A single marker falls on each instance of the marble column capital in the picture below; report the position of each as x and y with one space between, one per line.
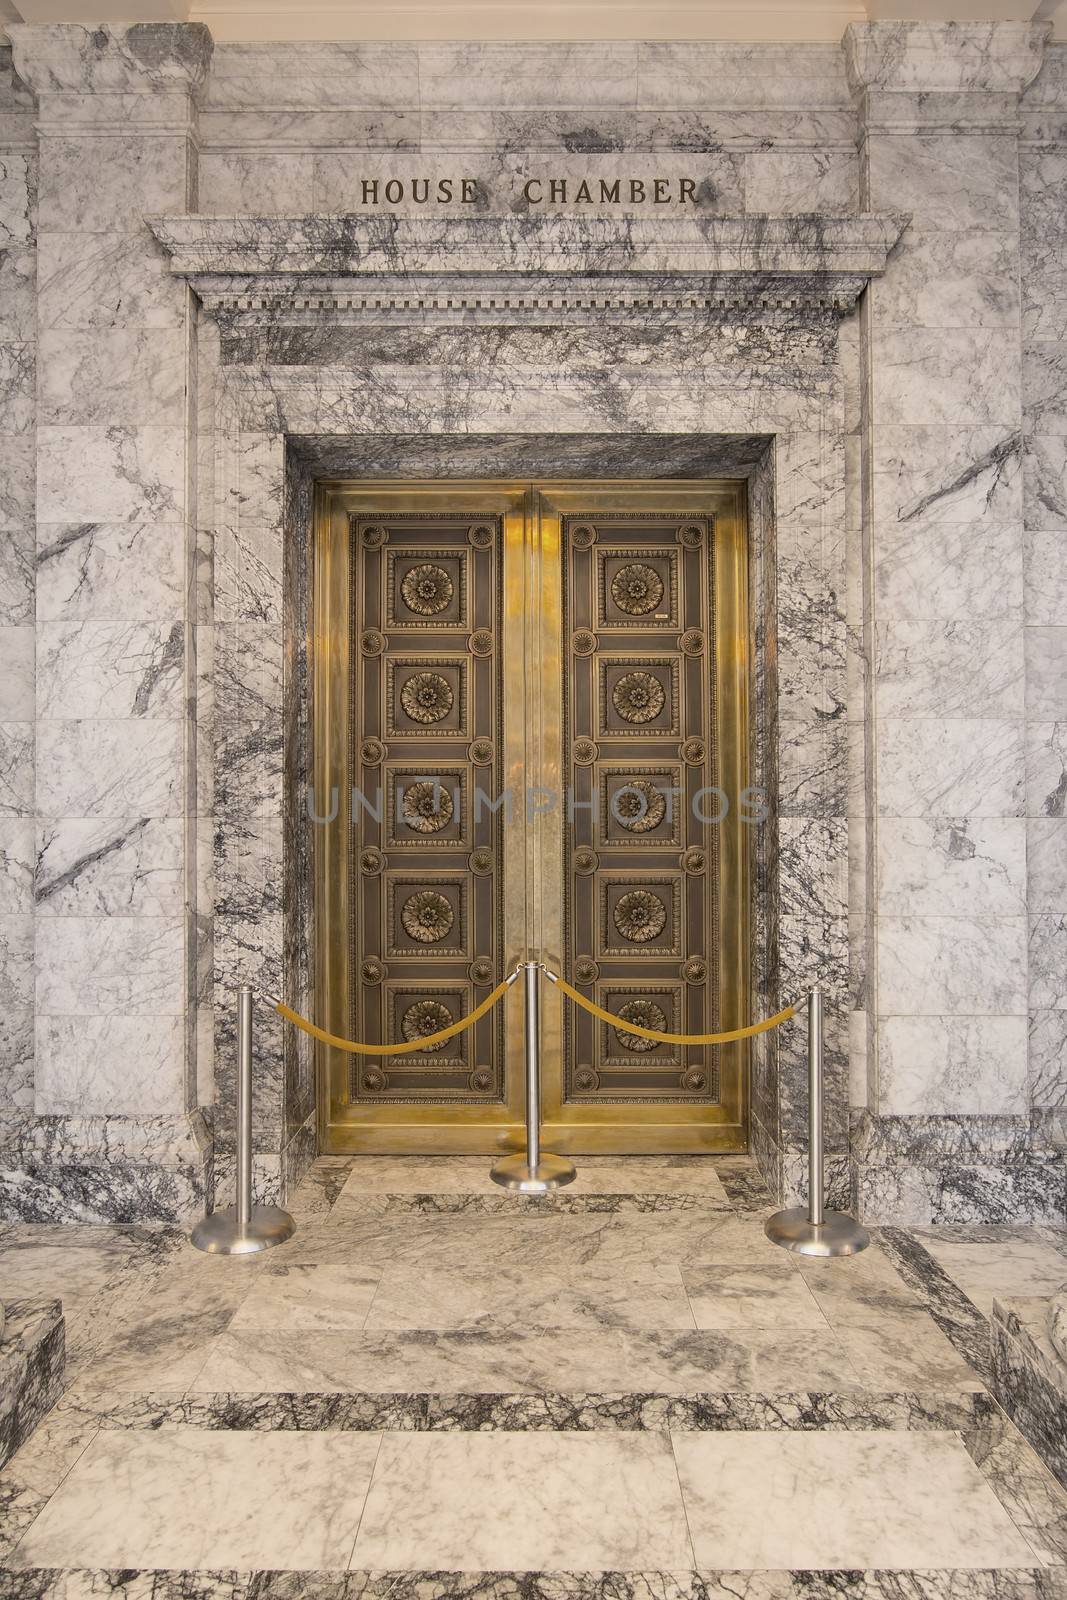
943 58
142 58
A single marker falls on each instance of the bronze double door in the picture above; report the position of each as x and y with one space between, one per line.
531 720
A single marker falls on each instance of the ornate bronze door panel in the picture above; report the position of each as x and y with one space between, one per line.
535 699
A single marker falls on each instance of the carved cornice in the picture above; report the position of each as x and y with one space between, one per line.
512 268
113 58
944 57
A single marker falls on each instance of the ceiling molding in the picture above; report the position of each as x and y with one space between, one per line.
755 21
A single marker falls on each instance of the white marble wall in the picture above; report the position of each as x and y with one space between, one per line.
946 614
111 815
18 343
1043 218
921 519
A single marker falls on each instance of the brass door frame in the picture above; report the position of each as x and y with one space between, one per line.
533 521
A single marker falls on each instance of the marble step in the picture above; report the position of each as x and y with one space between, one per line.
1023 1583
706 1411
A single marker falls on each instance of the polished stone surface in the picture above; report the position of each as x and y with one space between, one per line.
579 1500
32 1358
842 1500
149 611
1030 1375
189 1499
620 1417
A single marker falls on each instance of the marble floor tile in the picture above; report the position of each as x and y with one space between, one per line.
163 1341
519 1502
419 1175
649 1175
744 1185
596 1175
904 1349
681 1238
753 1360
1023 1484
856 1288
188 1499
586 1297
845 1500
71 1271
445 1243
309 1297
320 1187
994 1268
530 1242
259 1361
764 1296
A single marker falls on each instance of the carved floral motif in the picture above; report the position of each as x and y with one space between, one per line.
427 916
427 807
427 697
645 1014
637 589
640 916
425 1016
427 589
639 806
638 697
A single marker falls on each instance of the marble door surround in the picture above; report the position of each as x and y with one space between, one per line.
197 374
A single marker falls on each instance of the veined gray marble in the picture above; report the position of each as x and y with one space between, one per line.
947 1584
547 1412
812 252
1030 1377
31 1369
153 647
962 1324
562 1203
73 60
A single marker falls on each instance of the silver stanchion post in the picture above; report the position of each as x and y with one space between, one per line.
243 1229
811 1230
536 1172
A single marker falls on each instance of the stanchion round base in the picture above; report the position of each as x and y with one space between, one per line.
515 1173
837 1235
219 1234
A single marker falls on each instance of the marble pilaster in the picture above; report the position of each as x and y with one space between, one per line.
944 635
18 350
1043 242
114 835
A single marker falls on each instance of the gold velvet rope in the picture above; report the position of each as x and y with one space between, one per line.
392 1049
490 1001
668 1038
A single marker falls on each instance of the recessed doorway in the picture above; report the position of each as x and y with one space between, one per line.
530 712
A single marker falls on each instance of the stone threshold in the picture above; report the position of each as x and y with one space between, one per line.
445 1203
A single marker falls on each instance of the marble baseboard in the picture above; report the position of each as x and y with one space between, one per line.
105 1169
1029 1379
950 1191
32 1358
934 1171
134 1192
